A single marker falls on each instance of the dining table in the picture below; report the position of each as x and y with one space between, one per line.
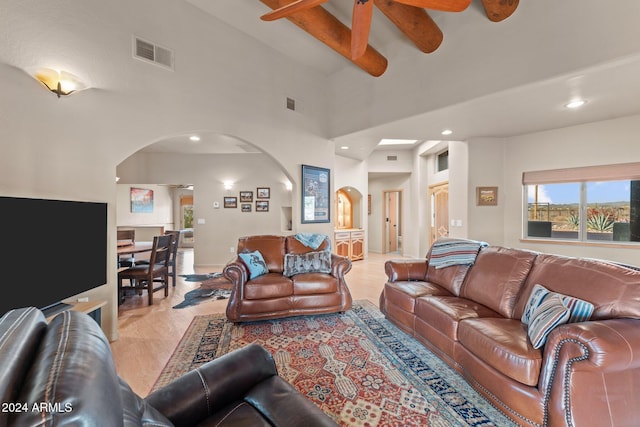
128 248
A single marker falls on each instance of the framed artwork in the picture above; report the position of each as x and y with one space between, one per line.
315 194
245 207
141 200
230 202
487 196
262 206
263 192
246 196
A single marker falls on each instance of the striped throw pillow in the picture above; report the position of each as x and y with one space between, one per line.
580 310
550 313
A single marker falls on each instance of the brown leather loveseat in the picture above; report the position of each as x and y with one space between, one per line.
587 373
295 280
62 374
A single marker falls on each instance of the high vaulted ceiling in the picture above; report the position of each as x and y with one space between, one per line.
607 75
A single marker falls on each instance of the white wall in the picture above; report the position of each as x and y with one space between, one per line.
69 148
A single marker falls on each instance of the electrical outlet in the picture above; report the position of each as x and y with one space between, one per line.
232 249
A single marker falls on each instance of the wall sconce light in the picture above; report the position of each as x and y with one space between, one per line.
288 185
228 185
59 82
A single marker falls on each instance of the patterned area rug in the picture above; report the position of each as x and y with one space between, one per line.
357 367
214 286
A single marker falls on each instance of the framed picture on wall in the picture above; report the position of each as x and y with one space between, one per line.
315 194
487 196
230 202
246 196
141 200
263 192
245 207
262 206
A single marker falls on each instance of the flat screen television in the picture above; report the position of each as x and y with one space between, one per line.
52 250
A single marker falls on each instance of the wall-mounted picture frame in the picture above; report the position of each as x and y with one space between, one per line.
315 194
246 196
245 207
263 192
230 202
141 200
487 196
262 206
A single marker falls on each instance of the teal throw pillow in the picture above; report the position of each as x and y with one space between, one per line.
550 313
255 263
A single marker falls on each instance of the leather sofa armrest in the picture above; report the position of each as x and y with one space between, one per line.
196 395
399 270
340 265
600 356
237 272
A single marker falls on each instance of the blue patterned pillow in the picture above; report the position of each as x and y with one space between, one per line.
580 310
550 313
255 263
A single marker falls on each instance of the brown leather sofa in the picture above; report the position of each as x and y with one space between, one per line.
62 374
587 373
274 295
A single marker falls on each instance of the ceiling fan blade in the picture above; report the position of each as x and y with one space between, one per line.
360 27
443 5
498 10
294 7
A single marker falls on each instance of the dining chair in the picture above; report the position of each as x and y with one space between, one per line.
147 276
127 237
175 235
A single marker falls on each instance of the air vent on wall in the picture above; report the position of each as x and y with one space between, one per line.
149 52
392 157
291 104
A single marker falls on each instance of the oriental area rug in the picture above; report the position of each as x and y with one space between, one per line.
356 366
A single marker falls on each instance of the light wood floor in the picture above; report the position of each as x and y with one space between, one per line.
148 335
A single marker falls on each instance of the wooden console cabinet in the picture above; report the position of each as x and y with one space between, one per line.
350 244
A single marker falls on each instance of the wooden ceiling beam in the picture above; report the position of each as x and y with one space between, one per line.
329 30
499 10
415 23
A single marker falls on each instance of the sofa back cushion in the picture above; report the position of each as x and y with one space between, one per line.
20 333
450 278
497 277
271 247
296 247
614 290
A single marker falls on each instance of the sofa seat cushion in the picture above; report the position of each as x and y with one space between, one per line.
445 312
270 285
504 345
238 413
405 294
314 283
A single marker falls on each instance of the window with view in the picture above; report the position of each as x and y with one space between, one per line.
578 208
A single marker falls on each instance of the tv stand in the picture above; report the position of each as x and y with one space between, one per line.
52 310
92 308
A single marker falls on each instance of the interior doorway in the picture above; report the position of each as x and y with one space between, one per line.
392 221
439 211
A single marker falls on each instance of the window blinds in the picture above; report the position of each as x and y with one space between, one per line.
622 171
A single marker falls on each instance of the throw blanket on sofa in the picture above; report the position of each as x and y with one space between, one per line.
448 252
313 240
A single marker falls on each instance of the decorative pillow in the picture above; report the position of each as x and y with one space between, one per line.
550 313
255 263
310 262
580 310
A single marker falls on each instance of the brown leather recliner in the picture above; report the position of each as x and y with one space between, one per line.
274 295
62 374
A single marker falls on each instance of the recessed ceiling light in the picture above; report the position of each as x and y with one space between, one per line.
446 132
344 147
194 138
397 141
576 103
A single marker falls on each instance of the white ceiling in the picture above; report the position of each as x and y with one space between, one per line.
612 89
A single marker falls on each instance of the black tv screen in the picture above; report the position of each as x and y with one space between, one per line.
52 250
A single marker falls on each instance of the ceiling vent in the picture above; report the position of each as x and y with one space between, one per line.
291 104
149 52
392 158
